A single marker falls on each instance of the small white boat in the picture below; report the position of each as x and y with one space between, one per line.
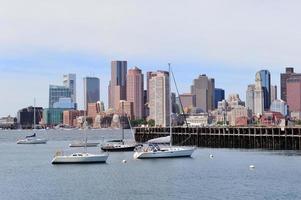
32 141
83 144
154 151
79 158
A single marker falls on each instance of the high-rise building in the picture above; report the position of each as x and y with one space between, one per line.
219 95
258 95
279 106
273 92
56 92
159 98
293 86
91 91
203 89
135 91
69 81
25 117
250 97
188 101
283 77
266 87
117 84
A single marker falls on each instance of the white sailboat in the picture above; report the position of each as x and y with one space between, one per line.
32 139
79 157
155 151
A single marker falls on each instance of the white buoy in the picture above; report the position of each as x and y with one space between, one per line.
211 156
124 161
252 166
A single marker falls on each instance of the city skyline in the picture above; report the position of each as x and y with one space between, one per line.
39 48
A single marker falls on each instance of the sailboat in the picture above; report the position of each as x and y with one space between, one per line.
119 145
153 150
32 139
80 157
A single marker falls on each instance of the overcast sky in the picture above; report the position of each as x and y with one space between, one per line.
227 40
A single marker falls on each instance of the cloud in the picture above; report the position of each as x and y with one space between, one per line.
228 40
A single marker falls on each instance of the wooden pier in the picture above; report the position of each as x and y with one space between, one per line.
228 137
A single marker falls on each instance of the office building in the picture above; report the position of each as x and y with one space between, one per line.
250 97
117 84
289 71
258 95
273 93
135 91
91 90
219 95
25 117
293 86
159 98
188 101
203 89
279 106
69 81
56 92
266 87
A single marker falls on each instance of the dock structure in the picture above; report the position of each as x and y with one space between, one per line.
274 138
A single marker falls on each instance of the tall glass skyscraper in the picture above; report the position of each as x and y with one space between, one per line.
56 92
91 90
266 87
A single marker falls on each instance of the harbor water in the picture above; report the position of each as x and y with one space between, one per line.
26 172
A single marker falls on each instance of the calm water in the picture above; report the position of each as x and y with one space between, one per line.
26 173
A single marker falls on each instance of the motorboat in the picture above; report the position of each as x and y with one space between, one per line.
79 158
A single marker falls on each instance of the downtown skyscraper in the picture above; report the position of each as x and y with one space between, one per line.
117 84
159 98
69 81
204 90
135 91
91 90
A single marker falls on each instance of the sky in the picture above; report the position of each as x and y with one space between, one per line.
229 40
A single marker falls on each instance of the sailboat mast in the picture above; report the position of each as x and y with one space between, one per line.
34 113
122 122
170 106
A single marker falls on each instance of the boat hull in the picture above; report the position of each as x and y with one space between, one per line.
79 160
165 153
32 141
82 144
118 148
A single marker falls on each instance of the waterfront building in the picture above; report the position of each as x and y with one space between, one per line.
135 91
53 116
258 95
159 98
293 85
265 77
289 71
271 118
69 117
279 106
69 81
250 97
25 117
8 122
56 92
188 101
197 120
91 90
273 93
236 114
203 89
219 95
117 84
